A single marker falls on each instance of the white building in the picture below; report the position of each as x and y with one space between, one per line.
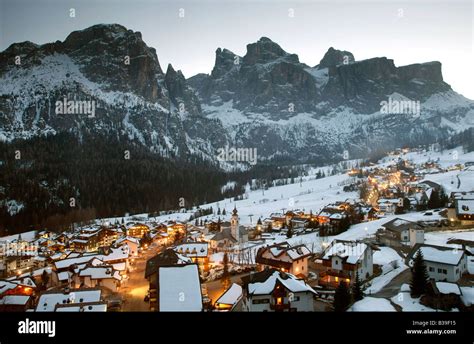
132 243
442 263
283 256
179 289
49 300
273 290
343 260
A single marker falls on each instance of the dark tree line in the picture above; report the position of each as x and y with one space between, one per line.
61 180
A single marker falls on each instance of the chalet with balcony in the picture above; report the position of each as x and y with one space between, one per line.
197 251
284 257
272 290
136 229
342 260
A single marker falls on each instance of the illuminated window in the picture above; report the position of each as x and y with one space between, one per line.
279 300
337 279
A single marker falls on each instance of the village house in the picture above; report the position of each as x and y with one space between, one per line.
136 229
15 303
342 260
277 220
230 299
18 264
131 242
100 276
179 289
388 206
51 299
17 295
283 256
396 233
442 263
464 211
168 257
87 240
197 252
108 235
443 295
273 290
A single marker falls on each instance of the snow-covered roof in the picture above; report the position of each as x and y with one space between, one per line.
388 200
63 276
448 288
14 300
231 296
467 295
48 301
440 254
84 307
267 285
179 289
120 253
351 250
65 263
129 239
120 266
101 272
283 252
465 206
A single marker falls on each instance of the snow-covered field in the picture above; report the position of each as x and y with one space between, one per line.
392 265
371 304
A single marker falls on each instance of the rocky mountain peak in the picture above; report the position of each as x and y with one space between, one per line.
21 48
264 51
334 57
225 61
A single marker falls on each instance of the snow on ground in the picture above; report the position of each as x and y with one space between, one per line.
27 236
409 304
313 194
441 239
385 256
467 295
446 158
392 265
371 304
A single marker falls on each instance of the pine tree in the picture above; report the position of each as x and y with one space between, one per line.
225 273
434 200
357 293
44 279
289 232
342 298
419 277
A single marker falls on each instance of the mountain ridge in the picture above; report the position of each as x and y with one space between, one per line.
266 99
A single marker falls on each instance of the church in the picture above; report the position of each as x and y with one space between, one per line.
228 237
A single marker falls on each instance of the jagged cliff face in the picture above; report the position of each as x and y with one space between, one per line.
267 99
270 100
113 67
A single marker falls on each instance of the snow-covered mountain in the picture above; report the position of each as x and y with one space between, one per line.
266 99
270 100
112 66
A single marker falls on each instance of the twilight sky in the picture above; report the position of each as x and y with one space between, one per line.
406 31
